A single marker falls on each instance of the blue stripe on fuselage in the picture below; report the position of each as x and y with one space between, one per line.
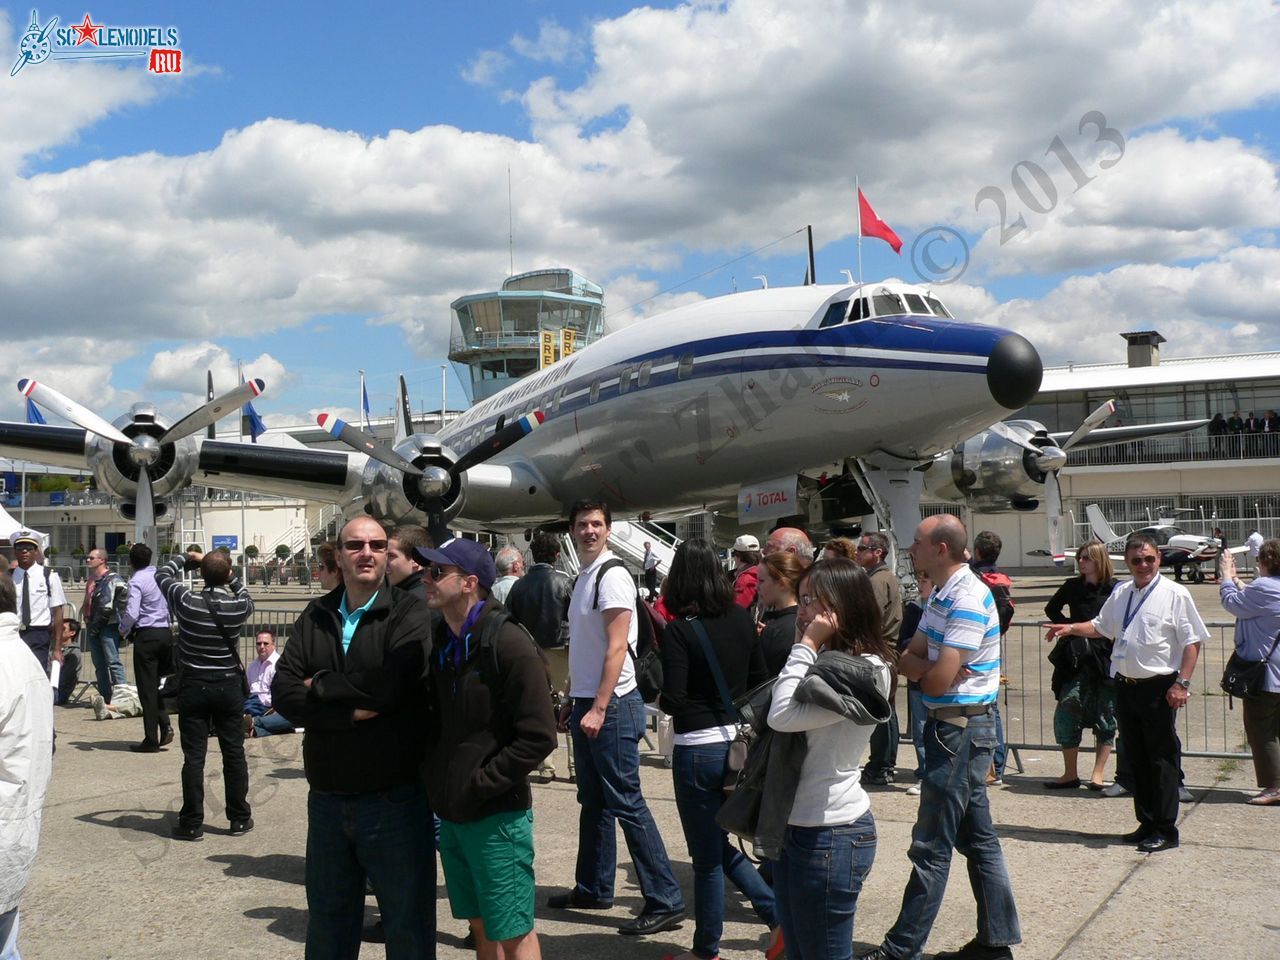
913 334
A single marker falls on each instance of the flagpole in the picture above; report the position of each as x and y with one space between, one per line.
360 404
244 557
858 190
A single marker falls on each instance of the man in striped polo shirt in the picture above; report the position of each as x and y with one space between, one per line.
955 657
211 690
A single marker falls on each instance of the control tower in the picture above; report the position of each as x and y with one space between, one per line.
535 318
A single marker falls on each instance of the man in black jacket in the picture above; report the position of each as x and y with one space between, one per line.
350 675
540 599
491 725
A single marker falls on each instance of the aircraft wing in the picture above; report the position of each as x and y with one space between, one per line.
323 475
48 445
1103 436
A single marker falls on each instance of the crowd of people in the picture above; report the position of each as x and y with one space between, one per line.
427 704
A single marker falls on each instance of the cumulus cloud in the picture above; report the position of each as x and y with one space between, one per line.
553 44
183 370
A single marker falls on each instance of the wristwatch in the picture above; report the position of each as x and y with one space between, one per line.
1183 682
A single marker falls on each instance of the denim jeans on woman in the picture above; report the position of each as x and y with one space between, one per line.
817 881
955 815
698 772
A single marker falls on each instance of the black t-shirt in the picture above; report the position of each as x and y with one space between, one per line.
689 691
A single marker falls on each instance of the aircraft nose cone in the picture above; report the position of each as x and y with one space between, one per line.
1014 371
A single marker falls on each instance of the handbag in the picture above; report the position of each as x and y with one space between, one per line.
740 745
1245 678
740 812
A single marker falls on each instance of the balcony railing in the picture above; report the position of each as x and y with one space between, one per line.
494 341
1196 447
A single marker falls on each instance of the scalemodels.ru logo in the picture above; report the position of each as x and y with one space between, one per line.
92 41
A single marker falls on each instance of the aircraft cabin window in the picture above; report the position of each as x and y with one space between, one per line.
916 304
624 380
685 367
937 307
646 370
595 390
887 305
835 314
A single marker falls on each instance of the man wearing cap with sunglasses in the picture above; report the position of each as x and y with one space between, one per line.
1158 633
491 726
40 598
351 675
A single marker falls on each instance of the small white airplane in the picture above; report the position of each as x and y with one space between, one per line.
1177 547
818 401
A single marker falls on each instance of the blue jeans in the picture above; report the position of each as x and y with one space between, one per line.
1001 753
608 771
817 882
917 714
698 773
387 836
104 648
955 814
265 724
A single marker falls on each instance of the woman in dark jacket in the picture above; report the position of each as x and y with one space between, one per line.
1081 675
780 573
700 597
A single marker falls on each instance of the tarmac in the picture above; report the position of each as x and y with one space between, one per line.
110 882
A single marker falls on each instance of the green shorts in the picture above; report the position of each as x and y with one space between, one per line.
488 871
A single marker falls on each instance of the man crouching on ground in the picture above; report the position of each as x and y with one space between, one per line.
491 725
350 675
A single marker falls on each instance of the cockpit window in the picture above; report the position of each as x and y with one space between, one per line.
936 306
835 314
887 304
860 309
916 303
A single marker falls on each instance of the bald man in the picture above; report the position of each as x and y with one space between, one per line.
790 540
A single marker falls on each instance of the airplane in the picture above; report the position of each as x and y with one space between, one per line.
1177 547
1015 464
818 398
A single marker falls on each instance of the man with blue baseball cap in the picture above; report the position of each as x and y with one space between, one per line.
483 664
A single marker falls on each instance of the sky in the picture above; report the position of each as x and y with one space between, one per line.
320 181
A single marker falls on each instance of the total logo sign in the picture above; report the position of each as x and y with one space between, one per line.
769 500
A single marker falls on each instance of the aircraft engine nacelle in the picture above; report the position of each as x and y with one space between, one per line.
116 468
990 472
397 497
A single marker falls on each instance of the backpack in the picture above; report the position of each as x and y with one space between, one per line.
486 657
646 658
1001 591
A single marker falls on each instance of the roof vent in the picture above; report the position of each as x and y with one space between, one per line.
1144 347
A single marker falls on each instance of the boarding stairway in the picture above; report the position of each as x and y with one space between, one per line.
627 539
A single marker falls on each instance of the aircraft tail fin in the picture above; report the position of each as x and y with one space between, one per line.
1098 523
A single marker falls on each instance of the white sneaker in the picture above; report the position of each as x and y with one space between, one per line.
913 790
1184 795
1114 790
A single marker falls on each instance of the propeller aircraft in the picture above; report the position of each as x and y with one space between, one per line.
829 396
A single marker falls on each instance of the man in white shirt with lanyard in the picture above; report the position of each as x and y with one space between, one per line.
606 720
40 598
1158 633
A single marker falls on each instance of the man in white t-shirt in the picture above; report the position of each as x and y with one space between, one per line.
606 720
1254 543
1157 632
955 657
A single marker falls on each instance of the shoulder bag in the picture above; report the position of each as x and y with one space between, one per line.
740 745
1245 678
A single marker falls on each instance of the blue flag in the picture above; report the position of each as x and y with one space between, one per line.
33 412
250 420
364 397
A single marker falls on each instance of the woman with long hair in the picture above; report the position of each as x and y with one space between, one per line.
829 843
1257 612
780 575
710 635
1081 669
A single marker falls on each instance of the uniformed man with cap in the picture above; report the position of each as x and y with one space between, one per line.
40 597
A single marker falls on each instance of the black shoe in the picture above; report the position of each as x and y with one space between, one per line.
470 941
166 738
652 922
1137 836
573 900
145 747
373 933
239 827
1156 843
876 954
877 779
1062 784
973 950
188 833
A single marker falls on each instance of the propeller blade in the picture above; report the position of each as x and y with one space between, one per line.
357 439
81 416
214 410
1092 420
1014 436
494 445
1053 512
146 508
404 415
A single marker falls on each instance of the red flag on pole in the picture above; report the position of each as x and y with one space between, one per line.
873 226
